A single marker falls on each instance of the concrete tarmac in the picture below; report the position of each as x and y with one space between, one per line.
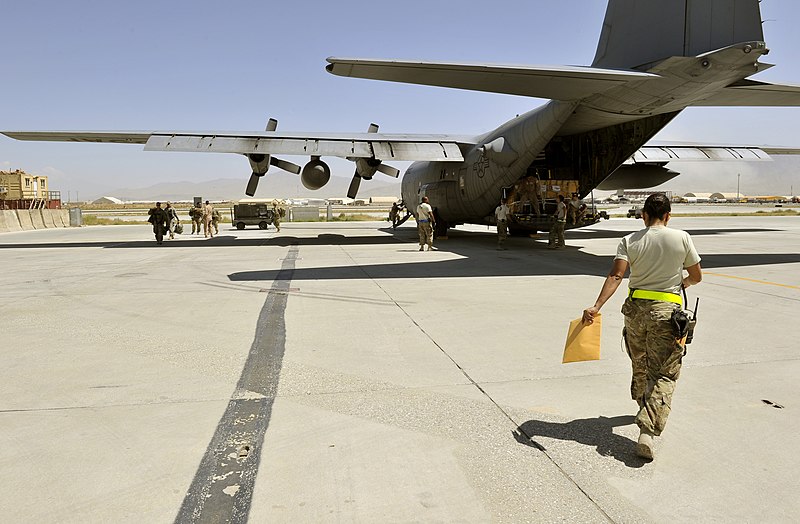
334 373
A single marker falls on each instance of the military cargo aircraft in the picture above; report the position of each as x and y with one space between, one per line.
654 59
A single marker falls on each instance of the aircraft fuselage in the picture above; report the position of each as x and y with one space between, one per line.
585 140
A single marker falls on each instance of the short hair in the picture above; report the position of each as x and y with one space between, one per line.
657 206
560 197
424 199
206 201
158 203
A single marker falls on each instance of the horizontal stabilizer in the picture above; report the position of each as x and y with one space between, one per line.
756 94
652 153
557 83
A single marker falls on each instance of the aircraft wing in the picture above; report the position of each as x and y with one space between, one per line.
356 145
556 83
754 94
657 152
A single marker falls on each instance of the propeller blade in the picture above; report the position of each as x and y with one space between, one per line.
286 166
252 184
373 128
352 191
389 170
272 125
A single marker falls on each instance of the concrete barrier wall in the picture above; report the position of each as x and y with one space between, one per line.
11 220
36 217
25 221
47 218
63 217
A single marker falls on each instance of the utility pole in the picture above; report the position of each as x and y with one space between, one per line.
738 175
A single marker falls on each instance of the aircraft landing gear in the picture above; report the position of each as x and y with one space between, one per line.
440 231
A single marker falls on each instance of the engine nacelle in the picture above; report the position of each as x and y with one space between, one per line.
316 174
259 163
637 176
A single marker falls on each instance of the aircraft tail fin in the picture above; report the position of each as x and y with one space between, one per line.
640 32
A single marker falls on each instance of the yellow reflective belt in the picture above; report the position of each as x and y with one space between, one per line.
655 295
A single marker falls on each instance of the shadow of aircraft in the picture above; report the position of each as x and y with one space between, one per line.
596 432
526 257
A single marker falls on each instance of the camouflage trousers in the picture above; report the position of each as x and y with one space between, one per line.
656 357
425 231
502 232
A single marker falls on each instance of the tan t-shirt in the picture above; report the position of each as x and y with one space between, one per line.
657 256
424 211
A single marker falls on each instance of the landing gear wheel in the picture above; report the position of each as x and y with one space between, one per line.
240 225
440 231
263 225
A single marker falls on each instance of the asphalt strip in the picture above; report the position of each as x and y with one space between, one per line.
222 488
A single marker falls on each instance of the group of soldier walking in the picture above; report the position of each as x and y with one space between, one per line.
206 216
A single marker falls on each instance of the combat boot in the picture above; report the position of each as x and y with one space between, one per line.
644 448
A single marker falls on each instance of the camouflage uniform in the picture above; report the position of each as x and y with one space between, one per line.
159 219
215 218
197 218
656 357
276 217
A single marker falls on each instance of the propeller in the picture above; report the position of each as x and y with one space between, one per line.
366 168
260 163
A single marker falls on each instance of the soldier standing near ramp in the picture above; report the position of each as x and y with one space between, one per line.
425 224
501 215
557 229
657 256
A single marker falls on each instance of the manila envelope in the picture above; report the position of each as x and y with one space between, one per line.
583 341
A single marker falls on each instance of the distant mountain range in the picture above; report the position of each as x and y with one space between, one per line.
779 177
273 185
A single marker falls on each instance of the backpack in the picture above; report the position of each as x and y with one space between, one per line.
281 212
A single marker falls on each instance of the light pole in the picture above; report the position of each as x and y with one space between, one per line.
738 175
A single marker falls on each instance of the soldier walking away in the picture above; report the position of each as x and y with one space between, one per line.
196 214
159 219
172 220
656 256
501 214
576 209
425 224
215 218
277 214
208 212
557 229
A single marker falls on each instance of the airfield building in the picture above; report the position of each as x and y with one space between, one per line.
21 190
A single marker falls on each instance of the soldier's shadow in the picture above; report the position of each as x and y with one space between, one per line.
597 432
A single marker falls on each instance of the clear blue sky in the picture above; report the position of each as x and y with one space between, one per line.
202 65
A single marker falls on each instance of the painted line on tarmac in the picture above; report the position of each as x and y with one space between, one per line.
765 282
222 488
